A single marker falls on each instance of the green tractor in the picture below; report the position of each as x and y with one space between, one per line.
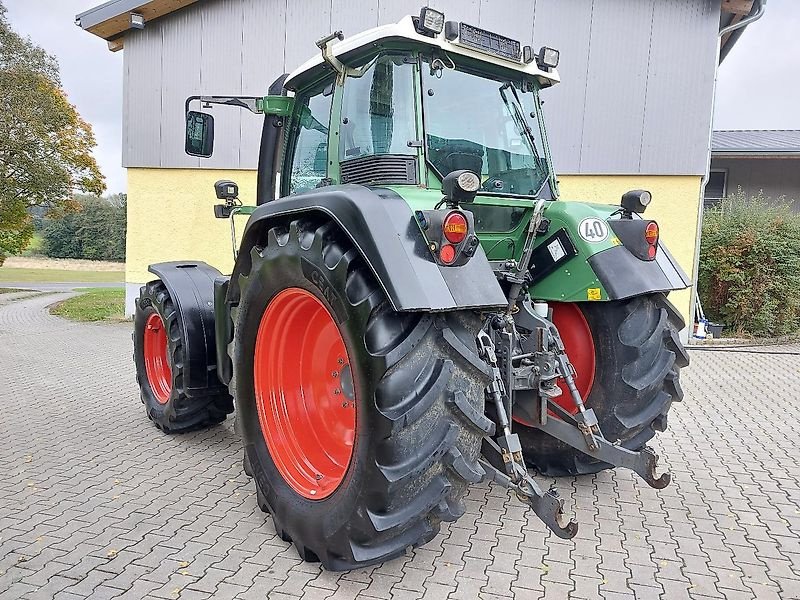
411 309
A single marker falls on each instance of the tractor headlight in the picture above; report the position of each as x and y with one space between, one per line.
431 22
469 181
460 187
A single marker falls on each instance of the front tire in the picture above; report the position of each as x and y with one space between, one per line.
415 381
158 353
636 360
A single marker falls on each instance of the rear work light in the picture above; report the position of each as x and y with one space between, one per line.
651 236
455 228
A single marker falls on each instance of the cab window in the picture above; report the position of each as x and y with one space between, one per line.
309 165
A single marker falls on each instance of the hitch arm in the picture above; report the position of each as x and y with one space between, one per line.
643 462
548 506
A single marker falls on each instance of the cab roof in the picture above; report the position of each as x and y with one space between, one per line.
402 33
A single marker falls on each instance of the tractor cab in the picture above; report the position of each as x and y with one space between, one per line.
405 105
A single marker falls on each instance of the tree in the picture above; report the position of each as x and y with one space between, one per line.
45 146
95 231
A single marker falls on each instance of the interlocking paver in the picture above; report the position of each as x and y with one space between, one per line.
96 503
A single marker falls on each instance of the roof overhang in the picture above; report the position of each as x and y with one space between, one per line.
732 13
111 20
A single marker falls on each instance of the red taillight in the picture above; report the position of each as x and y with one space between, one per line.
455 228
447 254
651 235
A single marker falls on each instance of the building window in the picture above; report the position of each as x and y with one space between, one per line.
716 187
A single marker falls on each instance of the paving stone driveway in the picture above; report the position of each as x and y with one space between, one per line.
96 503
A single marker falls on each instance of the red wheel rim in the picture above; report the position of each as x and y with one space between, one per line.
156 358
579 345
304 393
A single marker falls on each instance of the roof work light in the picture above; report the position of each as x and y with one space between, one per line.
547 58
431 22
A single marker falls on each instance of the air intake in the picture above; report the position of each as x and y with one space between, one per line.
380 169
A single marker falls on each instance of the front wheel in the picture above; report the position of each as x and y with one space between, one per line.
158 353
628 357
362 425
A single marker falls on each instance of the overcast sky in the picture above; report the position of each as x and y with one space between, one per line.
758 85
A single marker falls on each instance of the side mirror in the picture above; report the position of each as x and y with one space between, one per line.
199 134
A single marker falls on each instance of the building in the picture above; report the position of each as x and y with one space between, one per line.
633 111
755 161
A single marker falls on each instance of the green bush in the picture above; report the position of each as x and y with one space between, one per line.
94 231
749 275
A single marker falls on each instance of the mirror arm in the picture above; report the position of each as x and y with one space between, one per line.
251 103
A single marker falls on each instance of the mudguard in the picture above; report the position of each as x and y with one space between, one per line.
571 265
624 276
384 231
191 287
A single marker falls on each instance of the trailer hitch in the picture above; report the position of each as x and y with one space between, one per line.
508 451
548 506
567 429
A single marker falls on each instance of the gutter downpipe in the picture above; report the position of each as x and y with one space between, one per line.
698 234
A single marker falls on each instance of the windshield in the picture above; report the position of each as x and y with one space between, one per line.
487 126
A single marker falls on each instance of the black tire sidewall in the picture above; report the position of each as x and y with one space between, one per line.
285 270
147 304
604 321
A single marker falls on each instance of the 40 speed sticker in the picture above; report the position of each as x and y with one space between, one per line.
593 230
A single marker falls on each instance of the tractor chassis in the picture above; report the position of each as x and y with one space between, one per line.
535 361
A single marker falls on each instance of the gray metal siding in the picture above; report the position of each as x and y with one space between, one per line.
637 75
775 177
181 42
564 103
144 118
680 85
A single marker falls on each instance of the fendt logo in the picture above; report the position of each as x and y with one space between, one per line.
317 277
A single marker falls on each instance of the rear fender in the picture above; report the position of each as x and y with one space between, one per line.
191 287
383 229
578 262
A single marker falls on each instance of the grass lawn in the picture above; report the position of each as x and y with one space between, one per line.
95 304
59 275
10 290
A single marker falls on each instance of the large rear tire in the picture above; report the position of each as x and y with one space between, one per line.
413 380
158 353
637 357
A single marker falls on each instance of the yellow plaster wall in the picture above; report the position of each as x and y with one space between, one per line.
675 206
170 215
